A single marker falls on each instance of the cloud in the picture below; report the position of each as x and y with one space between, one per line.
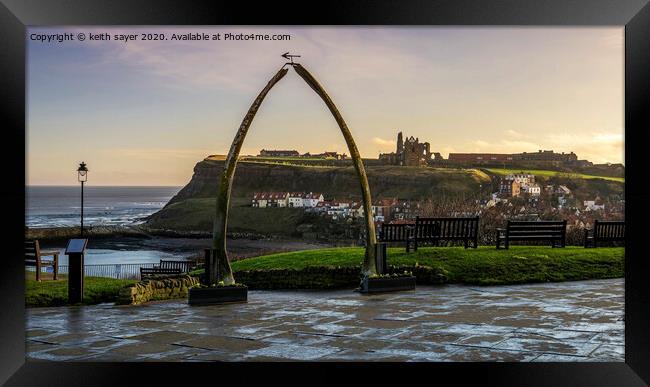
384 145
482 144
383 142
514 134
608 138
595 146
158 153
338 56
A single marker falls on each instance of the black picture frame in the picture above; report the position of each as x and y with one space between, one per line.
15 15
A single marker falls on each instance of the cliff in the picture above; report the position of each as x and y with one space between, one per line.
193 208
333 181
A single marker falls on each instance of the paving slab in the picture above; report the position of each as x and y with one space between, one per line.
565 321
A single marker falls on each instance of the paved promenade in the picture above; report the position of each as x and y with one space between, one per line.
569 321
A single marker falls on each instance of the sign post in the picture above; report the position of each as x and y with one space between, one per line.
75 251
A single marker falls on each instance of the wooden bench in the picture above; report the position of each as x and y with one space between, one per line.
605 231
444 229
34 257
396 233
167 268
552 231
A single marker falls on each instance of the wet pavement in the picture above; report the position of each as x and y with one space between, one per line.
568 321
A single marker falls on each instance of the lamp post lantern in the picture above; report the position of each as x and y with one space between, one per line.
82 176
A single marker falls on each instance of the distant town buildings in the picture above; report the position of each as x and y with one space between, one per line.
541 158
509 188
521 178
326 155
411 152
594 205
295 199
556 199
286 199
513 185
384 209
531 189
562 190
279 153
479 158
312 199
295 153
269 199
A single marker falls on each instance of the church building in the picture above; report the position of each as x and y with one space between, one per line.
409 152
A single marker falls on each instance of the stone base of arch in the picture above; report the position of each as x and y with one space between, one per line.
218 295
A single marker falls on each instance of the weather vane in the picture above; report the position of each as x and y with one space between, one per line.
286 55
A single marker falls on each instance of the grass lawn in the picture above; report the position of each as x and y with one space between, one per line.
485 265
55 293
544 173
482 266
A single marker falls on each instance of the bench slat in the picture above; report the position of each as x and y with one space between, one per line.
609 231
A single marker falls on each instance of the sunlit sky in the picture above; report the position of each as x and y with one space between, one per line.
144 112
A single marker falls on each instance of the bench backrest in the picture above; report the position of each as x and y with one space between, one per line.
32 252
396 232
446 228
183 266
555 229
609 230
148 271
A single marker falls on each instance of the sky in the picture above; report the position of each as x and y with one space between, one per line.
145 112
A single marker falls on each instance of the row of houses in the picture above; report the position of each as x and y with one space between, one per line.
382 209
513 185
311 202
295 153
286 199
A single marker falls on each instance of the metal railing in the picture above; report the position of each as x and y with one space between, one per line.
111 270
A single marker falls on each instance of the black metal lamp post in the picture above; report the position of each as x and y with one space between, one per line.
82 176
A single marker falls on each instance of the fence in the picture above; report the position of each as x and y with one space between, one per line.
112 270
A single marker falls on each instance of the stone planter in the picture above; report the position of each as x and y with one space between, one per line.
387 284
218 295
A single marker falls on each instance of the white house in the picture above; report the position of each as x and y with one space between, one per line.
356 211
521 178
531 189
590 205
295 199
269 199
259 200
342 204
312 199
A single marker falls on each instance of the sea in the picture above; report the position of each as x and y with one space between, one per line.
60 206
